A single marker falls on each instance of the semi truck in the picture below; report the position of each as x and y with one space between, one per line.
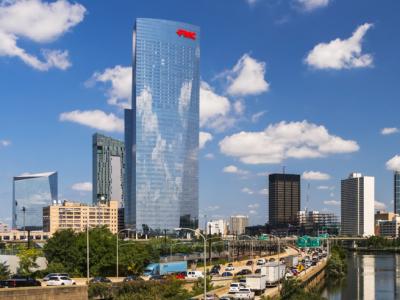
291 261
274 272
172 267
256 283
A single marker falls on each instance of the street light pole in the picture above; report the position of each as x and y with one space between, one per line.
205 256
87 254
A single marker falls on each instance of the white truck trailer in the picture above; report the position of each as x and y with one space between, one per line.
274 271
257 283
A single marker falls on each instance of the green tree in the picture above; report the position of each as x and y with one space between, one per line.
27 261
198 287
4 271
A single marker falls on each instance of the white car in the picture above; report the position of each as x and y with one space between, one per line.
235 287
244 293
60 280
229 268
260 262
194 275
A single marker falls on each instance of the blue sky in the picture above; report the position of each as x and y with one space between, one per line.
305 84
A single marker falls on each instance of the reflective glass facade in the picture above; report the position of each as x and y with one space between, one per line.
108 169
30 194
397 192
162 128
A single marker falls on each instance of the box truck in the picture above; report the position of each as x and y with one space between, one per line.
172 267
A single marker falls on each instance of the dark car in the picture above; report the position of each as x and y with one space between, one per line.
257 271
243 272
19 281
130 278
249 263
100 279
226 274
156 277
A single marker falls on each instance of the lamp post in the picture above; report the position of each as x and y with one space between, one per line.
117 271
205 256
87 254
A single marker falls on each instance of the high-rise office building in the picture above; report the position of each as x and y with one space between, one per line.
162 127
31 192
284 199
238 224
396 199
357 205
108 169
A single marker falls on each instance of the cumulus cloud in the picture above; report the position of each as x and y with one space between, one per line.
310 5
234 170
393 164
119 79
5 143
39 22
325 187
209 156
82 187
285 140
389 130
253 206
264 192
247 77
341 54
95 119
379 205
246 190
332 202
239 107
315 175
204 137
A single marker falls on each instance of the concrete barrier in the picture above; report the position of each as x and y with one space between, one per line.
45 293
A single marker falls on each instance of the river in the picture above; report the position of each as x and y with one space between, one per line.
369 277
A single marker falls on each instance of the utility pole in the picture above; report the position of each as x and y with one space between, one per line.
87 253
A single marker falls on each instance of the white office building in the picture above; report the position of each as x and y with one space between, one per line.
219 227
238 224
357 205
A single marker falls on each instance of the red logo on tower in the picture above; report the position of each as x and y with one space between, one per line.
186 34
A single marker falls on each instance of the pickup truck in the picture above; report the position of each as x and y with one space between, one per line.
244 293
19 281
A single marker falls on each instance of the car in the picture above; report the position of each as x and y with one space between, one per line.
156 277
249 263
45 278
130 278
260 262
225 297
244 293
243 272
289 275
100 279
226 274
271 259
235 287
257 271
194 275
217 267
181 275
211 297
19 281
60 280
228 268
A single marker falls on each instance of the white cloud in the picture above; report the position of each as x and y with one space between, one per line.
332 202
214 109
264 192
251 2
380 205
40 22
247 77
255 117
325 187
393 164
209 156
263 174
239 107
5 143
120 80
204 137
389 130
252 212
247 191
95 119
315 175
253 206
341 54
82 186
309 5
234 170
285 140
212 208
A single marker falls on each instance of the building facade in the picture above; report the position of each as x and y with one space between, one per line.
77 216
108 169
238 224
315 223
162 127
389 228
31 192
357 205
284 199
218 227
396 199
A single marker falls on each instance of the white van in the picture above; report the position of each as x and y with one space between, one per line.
194 275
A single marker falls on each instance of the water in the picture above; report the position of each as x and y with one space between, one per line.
369 277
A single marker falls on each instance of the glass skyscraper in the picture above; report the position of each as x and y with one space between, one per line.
108 169
162 127
397 192
32 192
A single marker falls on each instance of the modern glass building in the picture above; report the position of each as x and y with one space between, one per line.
397 192
32 192
162 128
108 169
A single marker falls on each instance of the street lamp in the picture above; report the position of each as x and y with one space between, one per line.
117 248
205 256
